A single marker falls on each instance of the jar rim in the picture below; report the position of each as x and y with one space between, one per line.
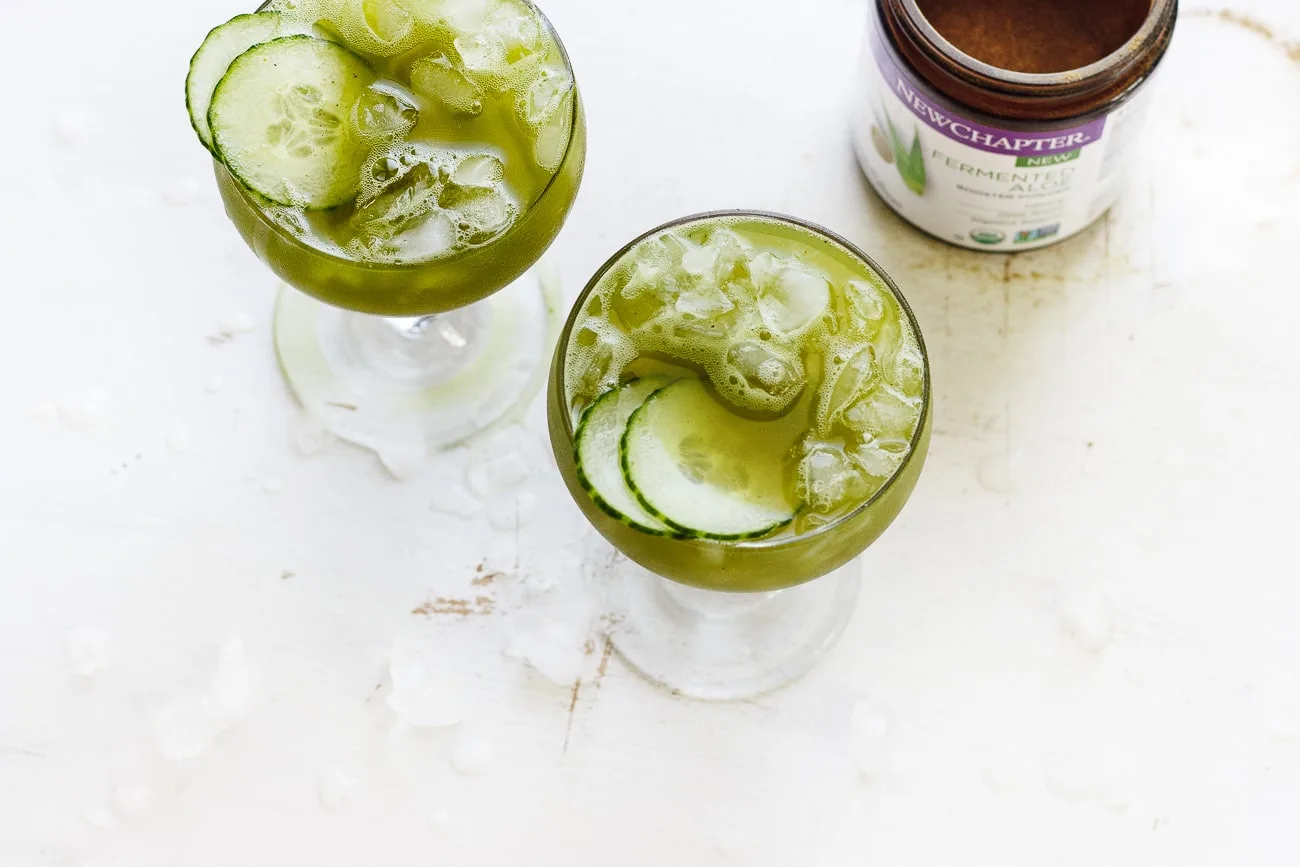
1132 51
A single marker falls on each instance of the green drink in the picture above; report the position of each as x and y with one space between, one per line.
740 402
402 158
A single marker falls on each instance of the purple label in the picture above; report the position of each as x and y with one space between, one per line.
986 138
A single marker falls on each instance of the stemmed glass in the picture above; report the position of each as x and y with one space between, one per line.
408 357
732 619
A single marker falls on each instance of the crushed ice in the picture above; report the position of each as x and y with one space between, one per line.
553 639
186 728
1087 618
134 801
87 651
472 755
334 787
84 412
423 694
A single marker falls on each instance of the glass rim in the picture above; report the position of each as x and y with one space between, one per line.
824 234
1127 53
399 267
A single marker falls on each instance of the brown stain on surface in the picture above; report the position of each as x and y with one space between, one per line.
573 708
1248 22
485 579
441 605
606 652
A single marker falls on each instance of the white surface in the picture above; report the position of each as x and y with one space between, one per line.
1078 645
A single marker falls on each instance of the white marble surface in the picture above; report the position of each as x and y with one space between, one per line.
1078 646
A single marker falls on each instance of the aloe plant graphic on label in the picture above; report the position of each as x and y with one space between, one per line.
909 161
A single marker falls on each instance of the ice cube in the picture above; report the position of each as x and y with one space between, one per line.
765 369
483 52
186 728
134 801
517 27
499 466
479 170
1087 618
881 458
480 213
553 135
592 380
87 651
429 238
858 377
472 755
388 20
867 303
542 98
382 112
422 694
884 414
411 196
334 786
907 372
553 641
99 817
707 302
789 296
441 79
463 15
729 244
828 480
701 263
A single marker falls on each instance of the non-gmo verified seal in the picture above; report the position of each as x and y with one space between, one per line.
988 236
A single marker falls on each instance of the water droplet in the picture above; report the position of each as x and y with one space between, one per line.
100 817
134 801
334 787
88 651
214 383
84 412
472 755
178 441
1087 618
1006 770
309 436
440 818
71 126
272 485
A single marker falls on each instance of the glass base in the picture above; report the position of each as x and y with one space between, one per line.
406 388
725 646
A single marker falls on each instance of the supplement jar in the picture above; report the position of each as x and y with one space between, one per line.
1005 124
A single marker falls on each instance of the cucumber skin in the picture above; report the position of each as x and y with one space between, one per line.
189 108
217 150
683 531
676 533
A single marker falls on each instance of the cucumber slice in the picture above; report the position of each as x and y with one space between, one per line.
214 57
279 121
600 431
704 471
